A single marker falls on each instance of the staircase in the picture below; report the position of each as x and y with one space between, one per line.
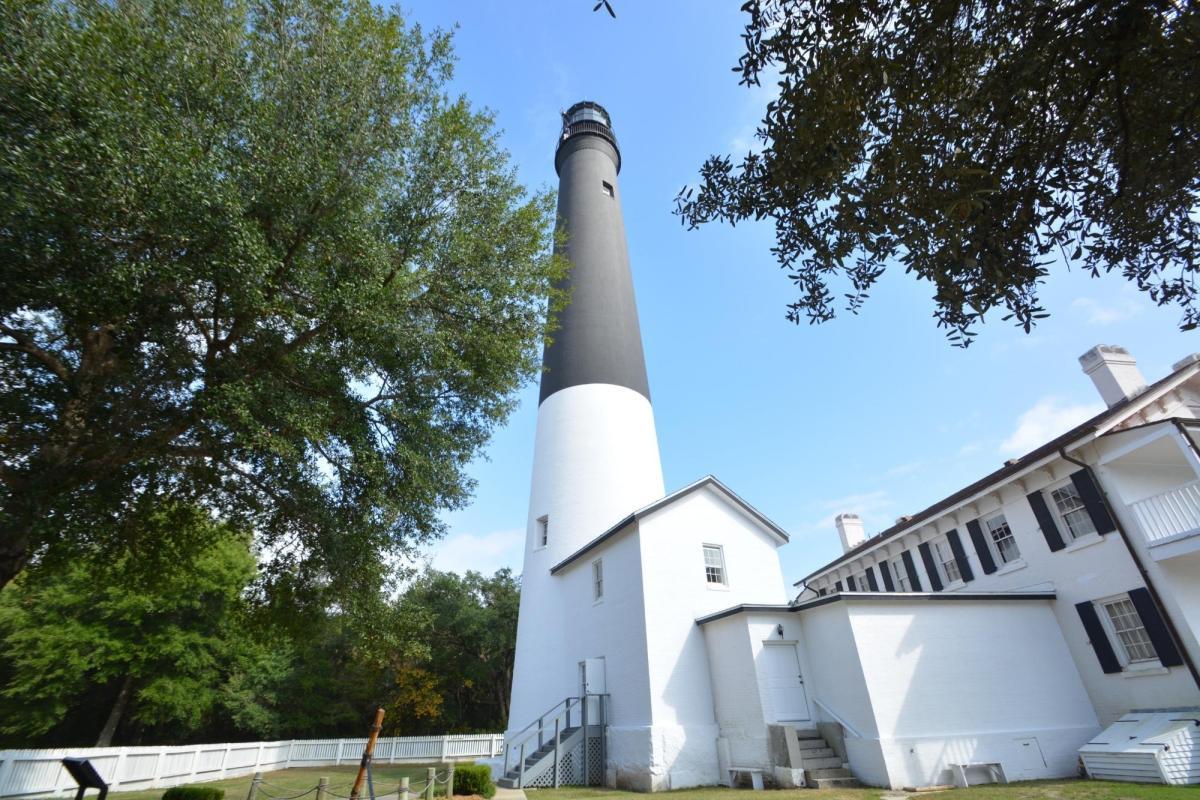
561 747
822 767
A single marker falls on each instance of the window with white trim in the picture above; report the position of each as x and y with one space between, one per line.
946 563
1071 511
598 579
899 574
860 582
1004 544
1131 637
543 531
607 187
714 565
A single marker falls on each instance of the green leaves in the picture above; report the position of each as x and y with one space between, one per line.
973 144
255 258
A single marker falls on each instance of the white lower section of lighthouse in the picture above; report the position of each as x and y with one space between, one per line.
595 460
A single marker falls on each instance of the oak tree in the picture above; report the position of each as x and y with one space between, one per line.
977 145
255 259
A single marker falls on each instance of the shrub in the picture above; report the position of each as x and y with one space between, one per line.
468 779
194 793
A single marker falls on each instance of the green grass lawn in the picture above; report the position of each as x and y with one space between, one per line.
290 782
1032 790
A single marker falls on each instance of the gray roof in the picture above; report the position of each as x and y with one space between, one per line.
891 597
624 523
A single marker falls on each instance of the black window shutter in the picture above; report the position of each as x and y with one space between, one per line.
960 556
1156 629
850 584
935 580
1099 637
837 586
981 549
823 592
886 571
871 582
1089 493
914 580
1045 519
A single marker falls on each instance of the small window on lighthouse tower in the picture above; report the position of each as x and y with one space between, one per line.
543 531
598 580
608 188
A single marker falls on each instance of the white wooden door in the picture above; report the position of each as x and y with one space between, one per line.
591 678
781 683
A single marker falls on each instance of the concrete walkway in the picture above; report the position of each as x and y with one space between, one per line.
509 794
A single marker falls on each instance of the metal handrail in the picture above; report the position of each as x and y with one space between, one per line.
838 719
551 718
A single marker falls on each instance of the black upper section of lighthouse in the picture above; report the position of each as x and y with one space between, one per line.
598 338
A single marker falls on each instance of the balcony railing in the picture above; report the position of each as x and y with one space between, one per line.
1169 514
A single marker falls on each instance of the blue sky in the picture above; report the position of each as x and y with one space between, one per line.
875 414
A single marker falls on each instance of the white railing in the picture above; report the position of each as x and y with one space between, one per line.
26 773
1170 513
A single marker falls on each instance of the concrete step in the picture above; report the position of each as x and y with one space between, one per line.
829 772
829 762
834 783
808 744
507 782
817 752
807 734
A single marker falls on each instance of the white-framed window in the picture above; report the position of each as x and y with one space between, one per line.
944 557
1004 544
714 565
899 574
608 188
860 582
1129 634
1074 516
543 531
598 579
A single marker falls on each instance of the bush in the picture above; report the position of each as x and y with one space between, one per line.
194 793
468 779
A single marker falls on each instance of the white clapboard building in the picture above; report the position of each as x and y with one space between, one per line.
989 637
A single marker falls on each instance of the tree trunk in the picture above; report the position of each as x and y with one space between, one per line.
14 555
114 716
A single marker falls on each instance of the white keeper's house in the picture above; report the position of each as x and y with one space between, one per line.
1044 617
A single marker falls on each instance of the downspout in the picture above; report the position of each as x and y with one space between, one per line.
1141 568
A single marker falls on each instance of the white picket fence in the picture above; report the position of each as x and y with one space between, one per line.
28 773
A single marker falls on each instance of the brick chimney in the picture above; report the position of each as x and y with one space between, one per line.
1114 372
850 528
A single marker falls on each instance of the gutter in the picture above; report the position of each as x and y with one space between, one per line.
1137 561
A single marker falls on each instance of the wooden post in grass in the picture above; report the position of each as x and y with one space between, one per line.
430 782
366 756
450 780
403 795
254 784
322 788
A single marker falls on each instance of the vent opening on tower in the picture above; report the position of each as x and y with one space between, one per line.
608 188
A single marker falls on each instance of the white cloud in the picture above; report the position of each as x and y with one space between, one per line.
484 553
1100 312
1048 418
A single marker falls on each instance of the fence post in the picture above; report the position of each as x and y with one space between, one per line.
322 788
403 794
450 781
521 781
445 747
430 782
254 784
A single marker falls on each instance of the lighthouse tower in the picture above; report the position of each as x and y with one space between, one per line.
596 453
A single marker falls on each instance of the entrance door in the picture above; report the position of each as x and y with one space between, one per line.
781 683
591 681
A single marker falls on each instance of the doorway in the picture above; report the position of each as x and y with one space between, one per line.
782 683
